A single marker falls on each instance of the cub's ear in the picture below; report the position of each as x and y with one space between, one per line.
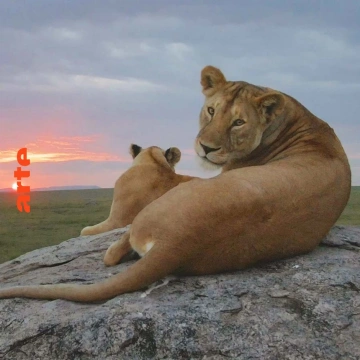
135 150
173 155
270 105
212 79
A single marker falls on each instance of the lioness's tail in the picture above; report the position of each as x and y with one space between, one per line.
102 227
155 265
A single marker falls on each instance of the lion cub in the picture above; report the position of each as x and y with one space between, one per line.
151 175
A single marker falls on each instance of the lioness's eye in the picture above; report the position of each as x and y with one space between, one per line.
211 110
238 122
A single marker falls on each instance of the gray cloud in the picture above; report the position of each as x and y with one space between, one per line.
130 70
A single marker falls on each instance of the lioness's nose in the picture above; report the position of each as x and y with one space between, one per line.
208 149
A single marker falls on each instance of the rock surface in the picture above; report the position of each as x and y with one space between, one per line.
307 307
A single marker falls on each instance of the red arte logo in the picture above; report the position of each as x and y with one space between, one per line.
23 199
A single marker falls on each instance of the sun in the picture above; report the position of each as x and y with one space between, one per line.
14 186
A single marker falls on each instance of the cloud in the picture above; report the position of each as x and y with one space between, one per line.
355 156
130 49
76 83
63 34
179 50
10 155
62 149
130 70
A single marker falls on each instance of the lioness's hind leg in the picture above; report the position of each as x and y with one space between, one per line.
118 250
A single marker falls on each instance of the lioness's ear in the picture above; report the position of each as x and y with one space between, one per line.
212 79
270 105
135 150
173 155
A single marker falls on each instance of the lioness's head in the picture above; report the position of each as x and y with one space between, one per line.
154 154
234 117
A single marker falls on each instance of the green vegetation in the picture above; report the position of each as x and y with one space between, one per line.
55 216
60 215
351 214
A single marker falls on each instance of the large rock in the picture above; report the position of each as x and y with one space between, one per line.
307 307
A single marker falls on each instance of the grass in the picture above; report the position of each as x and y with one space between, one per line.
55 216
351 214
60 215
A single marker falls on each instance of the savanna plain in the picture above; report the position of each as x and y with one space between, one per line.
60 215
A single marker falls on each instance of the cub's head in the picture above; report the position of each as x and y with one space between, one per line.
234 117
155 155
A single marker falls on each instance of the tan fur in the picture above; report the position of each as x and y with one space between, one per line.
285 180
151 175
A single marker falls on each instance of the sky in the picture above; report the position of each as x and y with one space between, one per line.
80 80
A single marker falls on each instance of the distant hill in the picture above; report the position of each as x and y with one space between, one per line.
53 188
71 187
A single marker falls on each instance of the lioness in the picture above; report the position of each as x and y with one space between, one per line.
285 180
151 175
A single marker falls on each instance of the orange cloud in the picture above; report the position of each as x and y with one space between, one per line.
61 149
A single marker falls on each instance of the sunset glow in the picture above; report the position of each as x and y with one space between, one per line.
76 90
67 149
76 153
